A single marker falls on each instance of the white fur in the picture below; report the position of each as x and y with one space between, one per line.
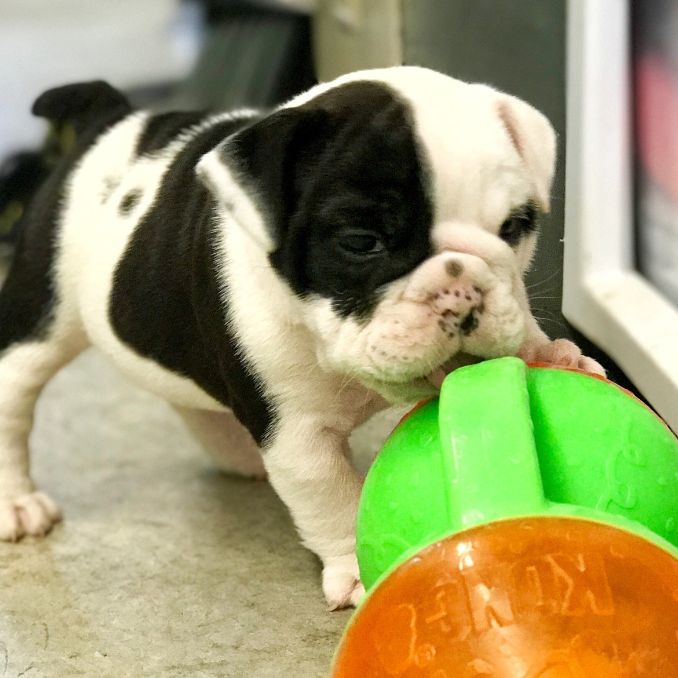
324 374
24 370
307 462
93 239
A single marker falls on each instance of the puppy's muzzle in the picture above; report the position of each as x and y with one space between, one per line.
442 307
454 286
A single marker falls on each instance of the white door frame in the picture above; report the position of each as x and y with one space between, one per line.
603 295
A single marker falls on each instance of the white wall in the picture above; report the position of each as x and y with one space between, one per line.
49 42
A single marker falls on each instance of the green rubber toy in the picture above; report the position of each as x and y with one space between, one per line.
524 525
505 441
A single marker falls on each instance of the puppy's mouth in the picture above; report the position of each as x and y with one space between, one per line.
433 381
460 359
437 377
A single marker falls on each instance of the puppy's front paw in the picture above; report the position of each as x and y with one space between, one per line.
341 582
560 352
27 514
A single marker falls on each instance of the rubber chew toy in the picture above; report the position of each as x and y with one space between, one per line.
524 525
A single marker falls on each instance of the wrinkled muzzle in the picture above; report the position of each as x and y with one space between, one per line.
451 305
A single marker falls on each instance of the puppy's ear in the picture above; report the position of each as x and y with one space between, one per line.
256 174
534 139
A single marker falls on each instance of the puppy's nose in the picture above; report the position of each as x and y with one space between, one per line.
454 268
448 271
453 285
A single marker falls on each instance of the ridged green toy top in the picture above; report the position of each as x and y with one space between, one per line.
505 440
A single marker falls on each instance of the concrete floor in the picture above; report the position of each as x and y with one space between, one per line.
162 566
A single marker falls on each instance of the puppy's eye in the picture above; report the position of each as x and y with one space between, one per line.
520 223
512 229
361 242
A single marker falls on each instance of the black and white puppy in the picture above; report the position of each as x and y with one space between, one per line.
294 271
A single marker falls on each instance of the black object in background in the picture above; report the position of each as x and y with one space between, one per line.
253 55
20 176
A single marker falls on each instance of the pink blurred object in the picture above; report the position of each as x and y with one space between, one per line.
657 121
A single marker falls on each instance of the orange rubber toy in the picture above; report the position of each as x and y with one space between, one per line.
524 525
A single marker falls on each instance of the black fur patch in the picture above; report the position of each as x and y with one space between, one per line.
27 297
129 201
345 163
162 129
521 222
165 301
469 323
110 184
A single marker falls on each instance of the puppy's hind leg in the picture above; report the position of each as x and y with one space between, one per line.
35 343
24 369
226 440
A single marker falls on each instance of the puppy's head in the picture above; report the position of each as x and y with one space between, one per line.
400 207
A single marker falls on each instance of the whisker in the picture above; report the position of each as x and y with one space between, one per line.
553 321
544 281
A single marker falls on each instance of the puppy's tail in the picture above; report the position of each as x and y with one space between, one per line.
82 104
77 114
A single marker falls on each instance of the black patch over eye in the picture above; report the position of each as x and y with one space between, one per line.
361 242
521 222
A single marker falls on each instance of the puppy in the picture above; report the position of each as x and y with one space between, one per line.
291 271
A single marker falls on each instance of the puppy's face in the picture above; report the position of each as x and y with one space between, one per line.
400 206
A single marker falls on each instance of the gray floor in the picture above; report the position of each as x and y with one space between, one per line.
162 567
